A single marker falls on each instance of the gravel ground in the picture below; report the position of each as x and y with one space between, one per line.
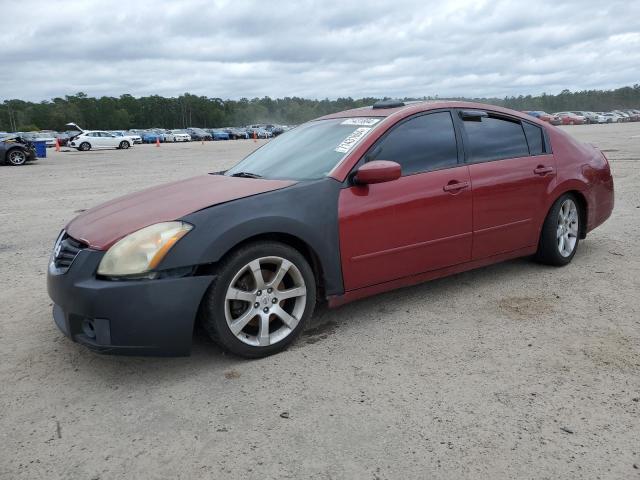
512 371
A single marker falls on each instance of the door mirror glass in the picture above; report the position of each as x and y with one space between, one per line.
378 171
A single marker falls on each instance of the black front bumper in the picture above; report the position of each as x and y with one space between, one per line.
132 317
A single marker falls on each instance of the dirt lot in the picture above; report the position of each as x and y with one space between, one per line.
511 371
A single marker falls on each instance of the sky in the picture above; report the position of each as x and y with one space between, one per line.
316 49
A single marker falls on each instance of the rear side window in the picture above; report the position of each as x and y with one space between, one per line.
420 144
535 139
492 138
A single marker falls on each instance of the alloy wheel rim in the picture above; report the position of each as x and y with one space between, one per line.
265 301
17 158
567 229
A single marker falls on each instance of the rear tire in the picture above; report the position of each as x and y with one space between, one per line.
560 233
247 313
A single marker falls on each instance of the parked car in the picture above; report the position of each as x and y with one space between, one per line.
258 132
96 139
611 117
569 118
137 139
359 210
623 115
198 134
236 133
217 134
545 117
177 136
16 150
634 115
152 137
47 138
590 117
135 135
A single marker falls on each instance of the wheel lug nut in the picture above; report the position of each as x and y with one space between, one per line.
275 300
259 292
256 305
269 290
265 310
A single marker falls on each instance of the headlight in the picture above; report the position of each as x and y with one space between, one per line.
142 251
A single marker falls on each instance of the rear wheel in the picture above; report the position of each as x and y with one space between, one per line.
16 157
561 232
84 147
261 299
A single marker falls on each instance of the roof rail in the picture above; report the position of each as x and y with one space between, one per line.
388 104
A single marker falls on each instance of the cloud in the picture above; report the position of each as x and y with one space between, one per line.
317 49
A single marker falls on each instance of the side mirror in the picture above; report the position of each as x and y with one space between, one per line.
378 171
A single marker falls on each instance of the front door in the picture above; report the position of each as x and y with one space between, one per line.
415 224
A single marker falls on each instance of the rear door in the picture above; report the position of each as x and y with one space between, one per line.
512 170
420 222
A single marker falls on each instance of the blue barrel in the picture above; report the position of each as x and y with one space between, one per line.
41 148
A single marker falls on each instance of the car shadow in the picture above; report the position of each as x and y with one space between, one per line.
209 359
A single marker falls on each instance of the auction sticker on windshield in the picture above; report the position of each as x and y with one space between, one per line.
353 138
367 122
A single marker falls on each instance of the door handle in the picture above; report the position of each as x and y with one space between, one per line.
542 170
455 186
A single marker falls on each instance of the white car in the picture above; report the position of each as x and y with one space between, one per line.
177 136
611 117
137 139
89 139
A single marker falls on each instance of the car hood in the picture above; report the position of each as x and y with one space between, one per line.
102 226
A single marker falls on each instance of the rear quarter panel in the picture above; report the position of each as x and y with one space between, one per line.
582 168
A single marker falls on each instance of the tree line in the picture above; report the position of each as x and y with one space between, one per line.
126 111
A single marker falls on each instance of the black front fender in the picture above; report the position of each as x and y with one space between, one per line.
307 211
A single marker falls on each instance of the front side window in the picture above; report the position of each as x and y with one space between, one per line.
493 138
420 144
307 152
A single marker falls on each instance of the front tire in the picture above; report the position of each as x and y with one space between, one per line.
124 145
561 232
84 147
16 157
261 299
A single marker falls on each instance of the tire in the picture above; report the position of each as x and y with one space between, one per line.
84 147
124 145
260 306
563 220
16 157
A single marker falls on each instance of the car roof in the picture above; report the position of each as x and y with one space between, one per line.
416 107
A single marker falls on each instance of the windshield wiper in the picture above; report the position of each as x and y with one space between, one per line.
246 175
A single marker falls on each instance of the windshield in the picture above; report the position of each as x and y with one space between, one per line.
307 152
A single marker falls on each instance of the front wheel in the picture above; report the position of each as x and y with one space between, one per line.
124 145
16 158
262 297
84 147
561 232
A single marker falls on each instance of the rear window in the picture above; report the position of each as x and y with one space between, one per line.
535 139
494 138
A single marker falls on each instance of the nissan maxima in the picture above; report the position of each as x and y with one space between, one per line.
340 208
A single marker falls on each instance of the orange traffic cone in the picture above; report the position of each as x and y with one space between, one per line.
157 141
255 136
57 145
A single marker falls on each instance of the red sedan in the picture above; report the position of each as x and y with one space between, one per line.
570 118
343 207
